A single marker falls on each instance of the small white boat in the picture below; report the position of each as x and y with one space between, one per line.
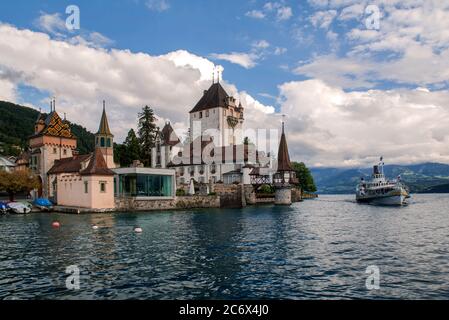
381 191
18 208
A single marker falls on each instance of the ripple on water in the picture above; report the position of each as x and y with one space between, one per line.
315 249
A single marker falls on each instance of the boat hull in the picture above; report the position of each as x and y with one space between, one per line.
393 200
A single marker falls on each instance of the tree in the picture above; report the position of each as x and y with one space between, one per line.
131 149
17 181
304 176
147 131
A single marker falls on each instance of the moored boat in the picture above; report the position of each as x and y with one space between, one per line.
381 191
43 204
18 208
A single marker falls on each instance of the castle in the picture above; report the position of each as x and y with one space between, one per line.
66 177
214 153
214 150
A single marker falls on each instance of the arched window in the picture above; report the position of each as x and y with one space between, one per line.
109 143
102 142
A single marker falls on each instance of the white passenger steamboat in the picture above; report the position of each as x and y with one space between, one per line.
380 190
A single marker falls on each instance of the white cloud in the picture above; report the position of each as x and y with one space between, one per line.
7 90
261 44
277 9
81 77
284 13
246 60
256 14
279 51
51 23
412 33
323 19
330 127
55 26
157 5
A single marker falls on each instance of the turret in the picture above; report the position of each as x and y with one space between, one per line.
104 139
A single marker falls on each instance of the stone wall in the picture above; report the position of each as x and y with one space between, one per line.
250 194
283 195
186 202
231 195
133 204
296 195
198 202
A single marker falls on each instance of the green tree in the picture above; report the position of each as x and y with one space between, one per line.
131 149
17 181
147 131
304 176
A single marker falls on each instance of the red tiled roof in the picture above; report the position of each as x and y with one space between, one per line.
69 165
97 166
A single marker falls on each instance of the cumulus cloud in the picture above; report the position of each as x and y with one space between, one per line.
277 9
323 19
411 34
246 60
330 127
55 26
256 14
81 76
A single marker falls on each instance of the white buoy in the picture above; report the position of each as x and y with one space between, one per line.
138 230
95 227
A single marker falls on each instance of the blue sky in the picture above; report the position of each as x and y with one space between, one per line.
201 27
356 78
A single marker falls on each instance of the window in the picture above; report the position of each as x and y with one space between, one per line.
207 113
201 114
102 142
108 143
65 152
55 150
86 187
102 187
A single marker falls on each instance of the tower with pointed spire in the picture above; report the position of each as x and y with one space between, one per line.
104 139
285 175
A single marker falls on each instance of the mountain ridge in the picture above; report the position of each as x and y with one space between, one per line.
421 177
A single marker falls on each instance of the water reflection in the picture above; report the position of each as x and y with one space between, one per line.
314 249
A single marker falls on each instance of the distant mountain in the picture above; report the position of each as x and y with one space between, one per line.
420 177
17 125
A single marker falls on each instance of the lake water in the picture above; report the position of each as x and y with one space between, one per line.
318 249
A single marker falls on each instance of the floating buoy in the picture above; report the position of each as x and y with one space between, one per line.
138 230
95 227
56 224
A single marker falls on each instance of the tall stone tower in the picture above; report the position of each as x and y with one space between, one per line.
52 140
104 140
217 111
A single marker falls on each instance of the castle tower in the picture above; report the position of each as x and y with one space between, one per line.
52 140
285 174
104 140
216 111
